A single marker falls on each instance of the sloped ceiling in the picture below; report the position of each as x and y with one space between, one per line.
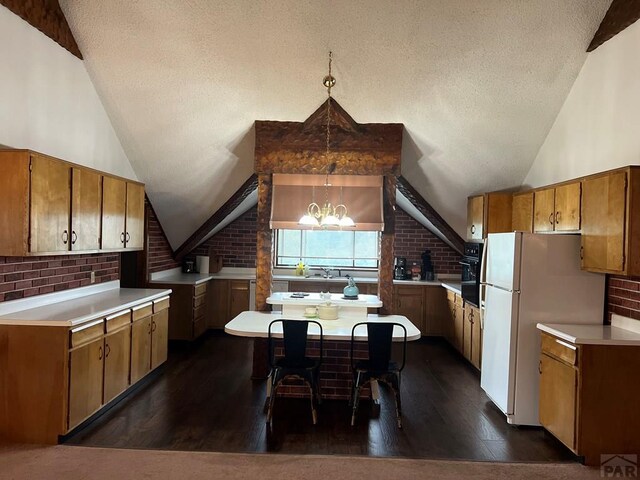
477 84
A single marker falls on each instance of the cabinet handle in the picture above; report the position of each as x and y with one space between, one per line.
551 218
581 252
128 237
557 218
74 237
153 326
65 237
399 303
107 350
473 229
149 331
100 353
540 367
122 237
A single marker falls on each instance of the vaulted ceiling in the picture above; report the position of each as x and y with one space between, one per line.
477 84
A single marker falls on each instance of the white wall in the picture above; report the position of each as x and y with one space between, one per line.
598 127
48 103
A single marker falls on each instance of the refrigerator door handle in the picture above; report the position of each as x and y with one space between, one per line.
483 281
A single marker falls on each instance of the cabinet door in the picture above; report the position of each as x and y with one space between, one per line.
476 339
140 348
543 210
567 216
238 297
522 212
467 334
410 303
557 401
86 200
135 216
85 381
475 214
219 303
114 201
50 202
117 361
159 338
458 328
603 220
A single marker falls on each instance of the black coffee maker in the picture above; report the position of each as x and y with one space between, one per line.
400 268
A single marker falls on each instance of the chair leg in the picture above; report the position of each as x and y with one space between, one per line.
355 399
396 391
310 381
267 399
316 378
272 398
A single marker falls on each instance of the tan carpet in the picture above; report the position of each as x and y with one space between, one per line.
71 463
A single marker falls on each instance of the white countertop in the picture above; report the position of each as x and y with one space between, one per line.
285 298
180 278
256 324
591 334
69 313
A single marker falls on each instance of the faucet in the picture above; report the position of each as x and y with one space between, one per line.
326 271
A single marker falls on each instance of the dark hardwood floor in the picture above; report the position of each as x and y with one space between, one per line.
204 400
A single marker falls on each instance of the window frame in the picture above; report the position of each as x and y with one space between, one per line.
297 258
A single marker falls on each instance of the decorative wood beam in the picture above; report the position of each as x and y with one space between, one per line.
620 15
429 212
46 16
223 212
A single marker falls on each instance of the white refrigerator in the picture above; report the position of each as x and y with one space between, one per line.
527 278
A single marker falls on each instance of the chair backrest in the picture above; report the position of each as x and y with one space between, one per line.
294 339
379 342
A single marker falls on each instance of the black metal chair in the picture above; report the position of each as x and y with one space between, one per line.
379 366
294 363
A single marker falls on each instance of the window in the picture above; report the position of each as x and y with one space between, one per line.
327 248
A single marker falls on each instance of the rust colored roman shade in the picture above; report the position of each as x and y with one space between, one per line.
361 194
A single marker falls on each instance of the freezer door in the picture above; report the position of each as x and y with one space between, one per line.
499 347
503 260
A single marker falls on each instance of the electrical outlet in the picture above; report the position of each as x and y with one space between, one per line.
93 277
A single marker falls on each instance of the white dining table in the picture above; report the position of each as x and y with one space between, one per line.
256 325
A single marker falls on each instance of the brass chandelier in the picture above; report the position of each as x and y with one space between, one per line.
328 215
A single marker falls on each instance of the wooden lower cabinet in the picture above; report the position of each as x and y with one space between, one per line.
76 371
85 381
589 397
410 302
227 300
464 329
117 356
189 310
458 327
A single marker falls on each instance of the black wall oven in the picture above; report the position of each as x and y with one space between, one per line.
471 263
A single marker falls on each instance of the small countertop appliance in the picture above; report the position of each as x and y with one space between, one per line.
400 268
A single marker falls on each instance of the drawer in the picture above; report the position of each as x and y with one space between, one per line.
199 301
115 321
160 304
200 289
560 349
86 333
142 311
199 312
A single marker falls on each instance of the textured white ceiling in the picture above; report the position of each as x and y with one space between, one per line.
477 84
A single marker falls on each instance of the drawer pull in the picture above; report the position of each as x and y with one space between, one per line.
107 350
551 218
565 344
100 353
473 229
557 218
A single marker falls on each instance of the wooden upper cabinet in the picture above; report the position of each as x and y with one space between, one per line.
49 205
567 201
604 215
557 209
135 216
475 217
522 212
114 208
488 213
544 210
86 202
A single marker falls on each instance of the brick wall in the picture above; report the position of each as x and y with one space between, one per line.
412 239
236 242
22 277
623 296
160 254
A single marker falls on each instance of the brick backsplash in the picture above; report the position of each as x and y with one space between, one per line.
412 239
623 296
160 254
22 277
236 242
